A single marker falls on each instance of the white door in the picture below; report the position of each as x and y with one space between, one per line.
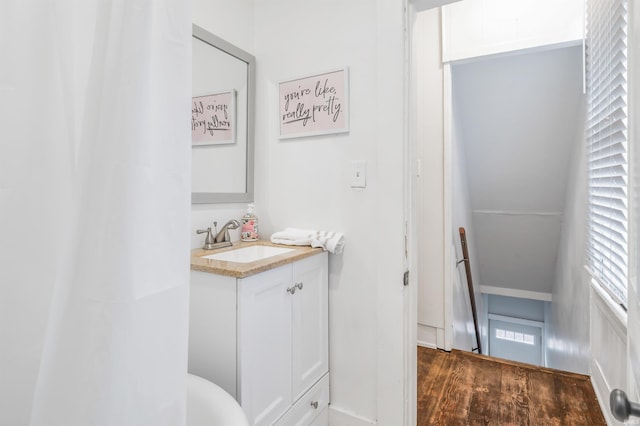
264 339
516 342
310 323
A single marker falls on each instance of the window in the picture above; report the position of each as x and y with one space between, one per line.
606 60
514 336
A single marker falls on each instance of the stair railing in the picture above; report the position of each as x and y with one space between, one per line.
472 298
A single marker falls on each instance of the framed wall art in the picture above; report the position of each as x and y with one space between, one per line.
314 105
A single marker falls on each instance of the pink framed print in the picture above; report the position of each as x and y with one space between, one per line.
213 118
314 105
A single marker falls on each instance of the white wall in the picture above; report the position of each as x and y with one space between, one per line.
305 183
568 317
528 309
231 21
485 27
462 217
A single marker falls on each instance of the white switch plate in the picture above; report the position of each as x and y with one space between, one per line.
358 174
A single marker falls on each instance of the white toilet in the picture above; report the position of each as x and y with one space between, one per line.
208 405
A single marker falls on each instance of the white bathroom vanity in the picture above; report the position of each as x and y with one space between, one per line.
260 331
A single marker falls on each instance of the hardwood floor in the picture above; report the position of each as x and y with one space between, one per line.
461 388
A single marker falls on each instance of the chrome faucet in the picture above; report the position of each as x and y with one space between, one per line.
222 238
223 235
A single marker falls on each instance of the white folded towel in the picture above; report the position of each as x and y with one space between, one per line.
333 242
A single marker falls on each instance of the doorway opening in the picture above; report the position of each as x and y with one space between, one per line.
497 137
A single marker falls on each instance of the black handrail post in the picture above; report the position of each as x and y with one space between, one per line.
467 268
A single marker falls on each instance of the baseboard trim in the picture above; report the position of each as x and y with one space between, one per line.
427 345
427 336
341 417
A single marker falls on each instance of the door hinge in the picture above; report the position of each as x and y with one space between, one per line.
406 240
405 278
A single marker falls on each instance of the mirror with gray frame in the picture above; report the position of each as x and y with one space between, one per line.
223 173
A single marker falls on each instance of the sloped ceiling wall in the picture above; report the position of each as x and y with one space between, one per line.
517 117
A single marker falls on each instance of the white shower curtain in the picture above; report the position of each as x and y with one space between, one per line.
95 210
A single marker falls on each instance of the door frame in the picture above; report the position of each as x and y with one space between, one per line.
410 298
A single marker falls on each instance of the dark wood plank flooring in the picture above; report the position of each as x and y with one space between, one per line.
461 388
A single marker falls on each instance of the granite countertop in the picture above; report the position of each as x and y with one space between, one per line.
242 270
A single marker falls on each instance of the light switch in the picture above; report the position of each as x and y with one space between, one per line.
358 174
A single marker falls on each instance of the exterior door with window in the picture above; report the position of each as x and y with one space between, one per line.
516 342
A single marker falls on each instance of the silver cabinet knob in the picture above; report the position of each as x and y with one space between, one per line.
292 290
314 404
299 285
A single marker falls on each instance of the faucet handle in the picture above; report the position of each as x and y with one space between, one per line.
208 242
202 231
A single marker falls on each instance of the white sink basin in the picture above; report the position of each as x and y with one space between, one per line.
248 254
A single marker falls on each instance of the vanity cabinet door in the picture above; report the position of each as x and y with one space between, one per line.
310 323
264 336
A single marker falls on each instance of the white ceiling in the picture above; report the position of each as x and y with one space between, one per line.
517 119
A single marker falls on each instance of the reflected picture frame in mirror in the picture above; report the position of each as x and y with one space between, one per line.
241 193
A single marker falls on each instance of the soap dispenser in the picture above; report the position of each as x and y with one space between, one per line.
249 225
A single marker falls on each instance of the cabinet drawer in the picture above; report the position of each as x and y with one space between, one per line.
309 406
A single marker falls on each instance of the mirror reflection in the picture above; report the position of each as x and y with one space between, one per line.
222 121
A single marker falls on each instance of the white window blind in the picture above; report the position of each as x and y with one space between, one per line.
606 60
